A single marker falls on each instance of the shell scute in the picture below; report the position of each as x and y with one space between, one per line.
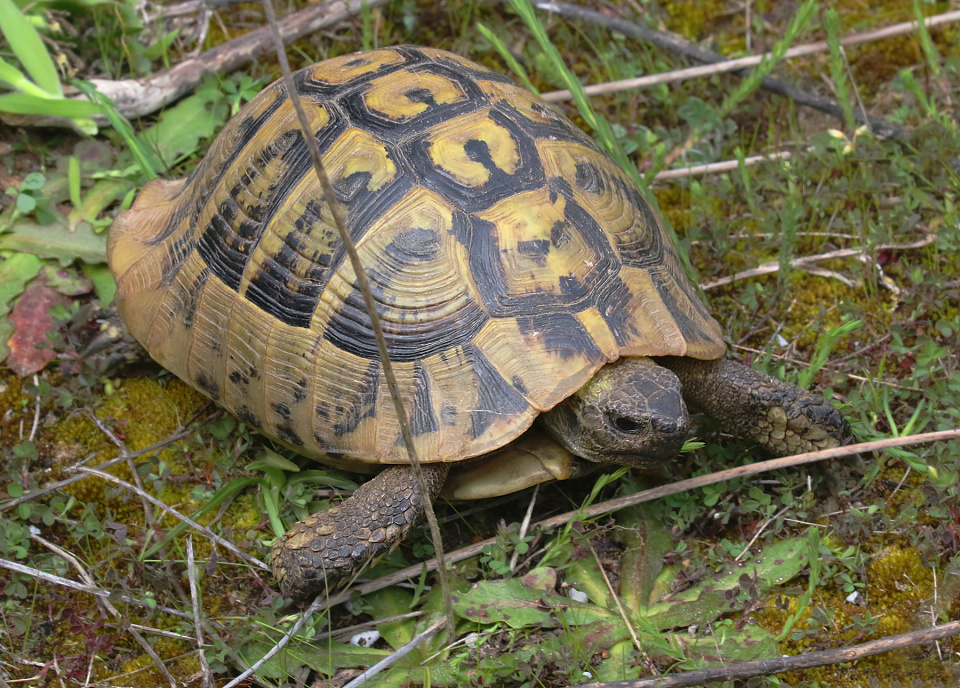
508 257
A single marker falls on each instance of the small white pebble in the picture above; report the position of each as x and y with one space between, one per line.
576 595
854 597
34 530
587 674
781 340
365 638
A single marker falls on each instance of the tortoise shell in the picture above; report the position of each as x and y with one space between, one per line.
510 259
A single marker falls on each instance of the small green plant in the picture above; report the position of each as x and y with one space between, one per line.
38 91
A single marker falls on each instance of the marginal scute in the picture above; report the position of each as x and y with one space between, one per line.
508 257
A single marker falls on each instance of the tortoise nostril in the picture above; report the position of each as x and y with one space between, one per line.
667 426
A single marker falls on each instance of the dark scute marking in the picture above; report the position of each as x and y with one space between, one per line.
365 402
612 303
423 420
559 236
496 398
589 179
420 95
278 291
223 250
688 323
518 385
348 187
248 417
287 434
177 253
646 248
349 328
193 299
570 286
359 62
238 378
355 106
203 181
281 409
208 386
561 334
486 267
448 414
535 249
527 176
415 245
300 390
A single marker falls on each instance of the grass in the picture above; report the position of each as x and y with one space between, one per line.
881 341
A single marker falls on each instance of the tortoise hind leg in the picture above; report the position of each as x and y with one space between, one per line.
781 417
328 548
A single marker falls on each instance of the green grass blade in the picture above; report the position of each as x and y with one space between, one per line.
508 57
17 80
838 68
29 49
28 104
145 159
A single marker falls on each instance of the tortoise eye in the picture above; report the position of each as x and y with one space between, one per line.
625 424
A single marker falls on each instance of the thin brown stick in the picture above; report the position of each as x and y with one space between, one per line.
138 97
718 63
206 532
363 284
646 496
777 665
804 261
179 434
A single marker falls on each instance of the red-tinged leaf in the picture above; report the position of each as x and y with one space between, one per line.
31 321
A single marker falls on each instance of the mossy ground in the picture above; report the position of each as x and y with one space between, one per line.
894 538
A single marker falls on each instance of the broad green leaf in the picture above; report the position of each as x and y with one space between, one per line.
747 644
28 47
706 601
103 284
56 241
29 104
180 128
520 606
325 656
646 540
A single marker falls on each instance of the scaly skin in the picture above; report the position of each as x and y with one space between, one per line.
630 414
325 550
783 418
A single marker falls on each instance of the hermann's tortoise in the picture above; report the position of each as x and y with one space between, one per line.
519 277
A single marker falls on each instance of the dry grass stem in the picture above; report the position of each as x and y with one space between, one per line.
764 667
176 514
803 262
746 62
612 505
716 167
399 654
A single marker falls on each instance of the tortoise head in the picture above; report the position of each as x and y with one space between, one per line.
631 413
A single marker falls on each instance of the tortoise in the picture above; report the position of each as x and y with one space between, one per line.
526 290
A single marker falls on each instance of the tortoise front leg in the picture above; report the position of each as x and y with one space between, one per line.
781 417
326 549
